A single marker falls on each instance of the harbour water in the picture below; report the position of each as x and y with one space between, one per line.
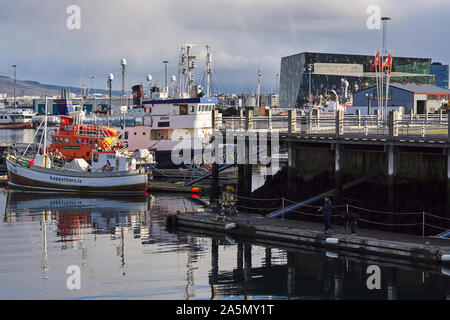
122 249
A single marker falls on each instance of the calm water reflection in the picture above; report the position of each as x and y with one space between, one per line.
125 252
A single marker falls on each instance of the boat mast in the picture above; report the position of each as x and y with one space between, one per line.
208 69
181 73
190 66
45 127
258 90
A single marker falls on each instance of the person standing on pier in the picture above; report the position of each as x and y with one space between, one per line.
326 211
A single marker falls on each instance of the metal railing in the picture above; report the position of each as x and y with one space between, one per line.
366 125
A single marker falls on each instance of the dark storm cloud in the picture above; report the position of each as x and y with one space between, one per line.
242 35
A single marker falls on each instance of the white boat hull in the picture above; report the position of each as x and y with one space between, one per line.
39 178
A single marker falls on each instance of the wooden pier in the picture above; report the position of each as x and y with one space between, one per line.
300 233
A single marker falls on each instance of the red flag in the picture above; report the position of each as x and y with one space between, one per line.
386 62
376 63
390 64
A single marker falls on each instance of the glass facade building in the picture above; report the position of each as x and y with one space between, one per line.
440 71
334 68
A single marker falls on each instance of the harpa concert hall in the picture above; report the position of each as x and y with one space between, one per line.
344 73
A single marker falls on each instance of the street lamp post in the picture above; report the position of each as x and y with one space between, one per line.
384 21
14 66
110 79
123 63
149 80
165 75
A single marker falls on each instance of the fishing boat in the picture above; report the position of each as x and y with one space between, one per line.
163 120
112 169
15 118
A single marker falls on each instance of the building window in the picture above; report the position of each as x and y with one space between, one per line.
126 135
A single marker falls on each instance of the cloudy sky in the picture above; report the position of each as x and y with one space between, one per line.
241 33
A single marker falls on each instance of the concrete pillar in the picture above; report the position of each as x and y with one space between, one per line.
249 120
339 123
310 122
292 155
292 121
291 170
290 273
391 161
338 166
240 256
215 190
448 182
448 131
393 124
269 118
245 173
391 184
247 262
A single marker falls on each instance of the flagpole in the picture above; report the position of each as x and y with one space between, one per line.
378 89
388 78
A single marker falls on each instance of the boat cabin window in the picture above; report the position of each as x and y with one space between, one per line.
183 110
192 109
66 140
78 141
95 158
91 142
126 135
60 140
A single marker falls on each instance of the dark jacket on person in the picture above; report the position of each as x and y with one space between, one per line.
326 209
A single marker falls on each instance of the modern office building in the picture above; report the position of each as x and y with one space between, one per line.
440 71
343 73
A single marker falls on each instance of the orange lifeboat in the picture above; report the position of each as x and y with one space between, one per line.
78 141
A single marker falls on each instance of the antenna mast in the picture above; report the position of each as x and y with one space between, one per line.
208 69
